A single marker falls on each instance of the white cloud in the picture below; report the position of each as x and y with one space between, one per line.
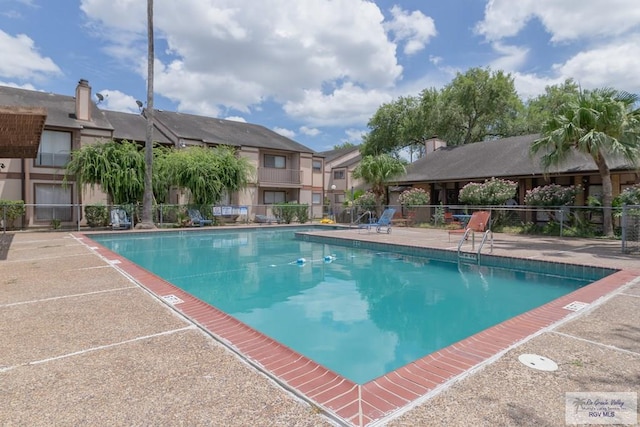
346 105
511 59
224 54
413 28
305 130
564 20
612 65
27 86
118 101
284 132
354 135
21 59
236 119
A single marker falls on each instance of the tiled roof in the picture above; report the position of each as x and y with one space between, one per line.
133 127
60 108
508 157
218 131
331 155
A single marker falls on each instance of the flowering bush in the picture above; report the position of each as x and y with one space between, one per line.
414 197
490 193
630 195
552 195
368 201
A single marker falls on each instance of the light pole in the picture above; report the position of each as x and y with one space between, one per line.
333 201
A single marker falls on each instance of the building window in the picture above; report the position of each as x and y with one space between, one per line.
316 198
317 165
55 149
339 198
271 197
53 201
277 162
338 174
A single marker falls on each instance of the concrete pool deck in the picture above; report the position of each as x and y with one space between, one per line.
83 344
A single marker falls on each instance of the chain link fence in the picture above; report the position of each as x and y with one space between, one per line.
561 221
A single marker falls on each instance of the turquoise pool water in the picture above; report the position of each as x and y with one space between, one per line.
358 312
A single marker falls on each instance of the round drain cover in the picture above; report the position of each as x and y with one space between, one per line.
538 362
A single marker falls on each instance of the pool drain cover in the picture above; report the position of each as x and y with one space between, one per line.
540 363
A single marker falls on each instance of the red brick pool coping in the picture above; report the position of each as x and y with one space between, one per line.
338 397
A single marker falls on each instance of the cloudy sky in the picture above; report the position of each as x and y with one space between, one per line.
312 70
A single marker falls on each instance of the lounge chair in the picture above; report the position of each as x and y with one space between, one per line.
264 219
119 219
197 220
479 221
384 221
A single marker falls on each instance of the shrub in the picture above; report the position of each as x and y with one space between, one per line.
368 201
630 196
288 212
97 215
492 192
12 209
414 197
552 195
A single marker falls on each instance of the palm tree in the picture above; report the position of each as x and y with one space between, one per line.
600 123
378 171
147 200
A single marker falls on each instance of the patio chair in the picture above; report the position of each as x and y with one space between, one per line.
119 219
197 220
264 219
479 221
384 221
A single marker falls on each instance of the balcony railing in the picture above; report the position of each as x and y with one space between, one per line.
279 176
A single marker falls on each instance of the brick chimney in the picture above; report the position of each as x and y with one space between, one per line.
83 101
432 144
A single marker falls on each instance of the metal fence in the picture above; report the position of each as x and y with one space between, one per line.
578 221
630 229
78 217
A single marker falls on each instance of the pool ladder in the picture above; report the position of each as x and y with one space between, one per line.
474 256
360 224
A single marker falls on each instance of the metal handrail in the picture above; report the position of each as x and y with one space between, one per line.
484 239
357 221
486 234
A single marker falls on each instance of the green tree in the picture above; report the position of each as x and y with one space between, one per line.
345 144
479 105
543 107
208 173
117 167
395 126
600 123
378 172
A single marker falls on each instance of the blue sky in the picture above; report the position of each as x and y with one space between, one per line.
312 70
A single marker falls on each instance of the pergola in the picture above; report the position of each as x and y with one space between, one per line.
20 131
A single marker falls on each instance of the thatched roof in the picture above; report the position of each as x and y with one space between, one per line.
20 131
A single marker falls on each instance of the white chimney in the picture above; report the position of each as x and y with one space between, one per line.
83 101
432 144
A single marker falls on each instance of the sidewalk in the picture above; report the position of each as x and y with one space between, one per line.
84 345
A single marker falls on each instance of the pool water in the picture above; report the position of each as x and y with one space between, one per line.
359 313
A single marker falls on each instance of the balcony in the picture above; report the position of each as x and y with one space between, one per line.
276 176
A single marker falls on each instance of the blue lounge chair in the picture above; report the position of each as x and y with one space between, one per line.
119 219
197 219
385 220
264 219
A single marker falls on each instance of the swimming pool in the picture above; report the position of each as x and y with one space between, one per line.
361 313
